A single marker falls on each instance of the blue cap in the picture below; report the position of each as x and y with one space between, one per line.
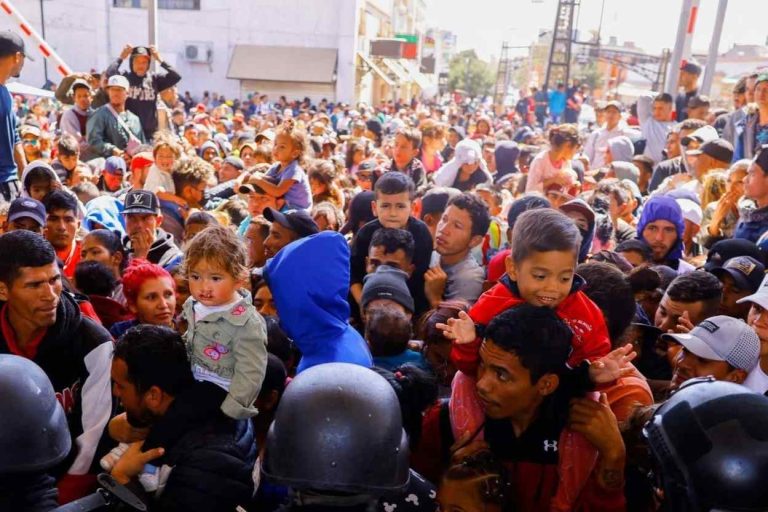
115 165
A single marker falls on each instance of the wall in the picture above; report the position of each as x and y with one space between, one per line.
90 34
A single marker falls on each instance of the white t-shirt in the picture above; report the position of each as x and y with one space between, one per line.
757 380
157 179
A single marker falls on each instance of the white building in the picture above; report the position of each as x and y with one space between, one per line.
297 48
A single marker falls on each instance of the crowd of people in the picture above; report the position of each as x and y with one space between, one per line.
265 304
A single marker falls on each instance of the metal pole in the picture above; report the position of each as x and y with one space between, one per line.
42 28
152 18
684 28
714 48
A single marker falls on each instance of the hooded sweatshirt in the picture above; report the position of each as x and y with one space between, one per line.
506 154
588 235
309 280
163 251
666 208
622 149
467 151
143 91
54 178
106 211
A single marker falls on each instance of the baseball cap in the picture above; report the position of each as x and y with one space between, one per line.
615 104
79 83
118 81
235 162
141 202
297 221
703 134
27 207
580 206
30 129
140 51
114 165
760 297
691 67
722 338
10 43
719 149
691 210
746 272
266 134
722 251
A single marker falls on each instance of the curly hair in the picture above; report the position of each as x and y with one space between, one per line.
165 140
191 171
563 134
219 246
477 209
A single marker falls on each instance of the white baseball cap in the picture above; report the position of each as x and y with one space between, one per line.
760 297
118 81
722 338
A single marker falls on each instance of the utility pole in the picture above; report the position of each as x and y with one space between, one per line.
682 49
714 48
152 19
42 29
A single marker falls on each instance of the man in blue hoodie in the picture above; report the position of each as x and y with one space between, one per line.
661 226
309 280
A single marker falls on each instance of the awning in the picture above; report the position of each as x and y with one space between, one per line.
283 63
416 74
28 90
399 71
376 69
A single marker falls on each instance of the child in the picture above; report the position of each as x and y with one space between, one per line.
226 338
478 483
540 271
38 179
160 179
289 154
405 155
322 182
394 193
494 240
68 160
554 165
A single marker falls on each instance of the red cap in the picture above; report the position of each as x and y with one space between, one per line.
142 160
200 107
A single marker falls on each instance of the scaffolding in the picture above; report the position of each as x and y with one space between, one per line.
503 76
559 63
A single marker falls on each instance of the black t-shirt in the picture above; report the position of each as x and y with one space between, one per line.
476 178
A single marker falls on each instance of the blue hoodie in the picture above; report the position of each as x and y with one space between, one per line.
309 280
664 208
107 211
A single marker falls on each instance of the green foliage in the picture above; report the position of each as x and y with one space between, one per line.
470 74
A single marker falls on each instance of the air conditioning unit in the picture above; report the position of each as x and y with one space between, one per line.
200 52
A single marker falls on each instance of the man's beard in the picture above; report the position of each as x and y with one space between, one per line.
143 420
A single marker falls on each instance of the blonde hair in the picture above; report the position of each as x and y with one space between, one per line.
218 246
165 140
713 188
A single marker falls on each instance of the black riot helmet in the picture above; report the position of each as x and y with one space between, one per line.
338 428
33 428
709 442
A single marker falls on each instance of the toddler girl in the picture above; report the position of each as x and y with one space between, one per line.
289 152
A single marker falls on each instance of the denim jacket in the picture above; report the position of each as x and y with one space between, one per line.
229 347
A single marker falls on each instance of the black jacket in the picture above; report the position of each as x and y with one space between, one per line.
212 456
421 257
76 355
163 251
142 95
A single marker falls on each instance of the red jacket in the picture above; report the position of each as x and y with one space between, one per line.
590 334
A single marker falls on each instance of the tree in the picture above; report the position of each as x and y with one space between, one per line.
470 74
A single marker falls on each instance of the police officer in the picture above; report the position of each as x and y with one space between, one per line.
337 440
33 436
709 442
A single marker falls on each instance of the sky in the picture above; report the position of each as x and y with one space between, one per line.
650 24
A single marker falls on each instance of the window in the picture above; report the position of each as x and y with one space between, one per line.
161 4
